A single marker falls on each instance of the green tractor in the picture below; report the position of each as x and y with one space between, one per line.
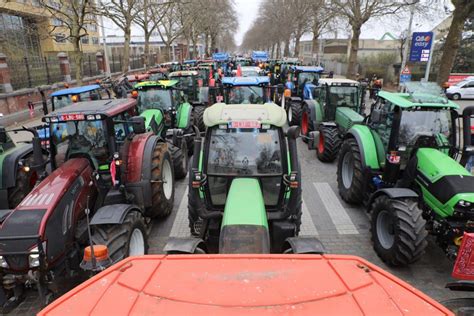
245 185
194 88
402 163
19 170
168 115
330 109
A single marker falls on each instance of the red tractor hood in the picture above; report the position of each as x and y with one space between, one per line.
50 190
244 285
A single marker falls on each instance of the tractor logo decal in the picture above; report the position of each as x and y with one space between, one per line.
38 199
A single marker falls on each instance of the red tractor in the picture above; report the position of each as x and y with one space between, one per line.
108 178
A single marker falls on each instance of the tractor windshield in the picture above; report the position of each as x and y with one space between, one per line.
245 95
154 99
308 77
435 123
244 152
343 96
80 138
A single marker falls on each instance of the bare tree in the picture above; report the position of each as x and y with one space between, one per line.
170 29
321 17
463 9
301 15
357 13
123 13
74 17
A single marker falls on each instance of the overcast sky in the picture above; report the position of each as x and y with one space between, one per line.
247 11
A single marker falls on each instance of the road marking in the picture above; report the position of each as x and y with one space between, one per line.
181 225
334 208
307 225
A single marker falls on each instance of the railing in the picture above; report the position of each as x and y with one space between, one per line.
28 72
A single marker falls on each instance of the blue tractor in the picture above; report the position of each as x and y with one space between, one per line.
64 97
246 90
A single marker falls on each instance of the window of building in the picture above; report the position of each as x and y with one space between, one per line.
35 3
91 27
85 40
95 40
307 48
60 38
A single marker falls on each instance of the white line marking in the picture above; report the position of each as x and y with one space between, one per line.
334 208
307 224
181 225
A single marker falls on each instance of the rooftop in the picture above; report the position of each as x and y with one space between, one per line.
407 100
246 81
104 107
75 90
159 84
332 81
268 113
308 68
184 73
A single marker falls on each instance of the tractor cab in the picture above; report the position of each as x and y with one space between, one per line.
337 93
65 97
205 73
157 74
221 61
192 85
246 90
299 76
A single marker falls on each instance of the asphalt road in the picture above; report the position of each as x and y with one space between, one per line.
342 228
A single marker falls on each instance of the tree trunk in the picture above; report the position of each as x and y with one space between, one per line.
297 45
206 42
452 43
315 44
278 54
78 59
168 52
213 42
195 54
351 67
272 53
146 52
126 50
286 52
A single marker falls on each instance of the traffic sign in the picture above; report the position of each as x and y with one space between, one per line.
405 78
406 71
421 46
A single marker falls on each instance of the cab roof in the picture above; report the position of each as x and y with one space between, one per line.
268 113
407 100
308 68
183 73
109 107
156 84
335 81
290 284
75 90
245 81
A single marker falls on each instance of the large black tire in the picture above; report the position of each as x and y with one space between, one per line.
161 174
329 143
180 159
307 124
199 117
22 187
117 237
296 111
398 230
350 177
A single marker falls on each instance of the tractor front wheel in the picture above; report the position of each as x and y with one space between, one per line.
180 159
123 240
329 143
162 182
199 117
349 172
294 113
398 230
306 123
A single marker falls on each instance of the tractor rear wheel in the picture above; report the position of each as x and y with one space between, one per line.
123 240
398 230
199 117
162 182
294 113
329 143
349 172
180 159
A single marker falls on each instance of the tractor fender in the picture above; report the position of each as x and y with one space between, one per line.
113 214
184 115
10 163
366 142
295 99
393 193
329 124
305 245
315 112
177 245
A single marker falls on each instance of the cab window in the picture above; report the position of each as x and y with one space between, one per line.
381 119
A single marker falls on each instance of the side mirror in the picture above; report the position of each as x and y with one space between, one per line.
293 132
3 135
138 124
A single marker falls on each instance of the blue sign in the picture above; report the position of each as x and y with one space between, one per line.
421 46
405 78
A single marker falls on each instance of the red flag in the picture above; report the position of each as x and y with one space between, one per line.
113 171
239 71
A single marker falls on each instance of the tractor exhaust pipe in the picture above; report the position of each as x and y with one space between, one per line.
292 134
468 149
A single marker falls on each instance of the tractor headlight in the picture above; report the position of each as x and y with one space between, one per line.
33 258
3 263
463 203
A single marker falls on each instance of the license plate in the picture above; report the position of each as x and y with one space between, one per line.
244 124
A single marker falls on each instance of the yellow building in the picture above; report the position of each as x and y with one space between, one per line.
27 29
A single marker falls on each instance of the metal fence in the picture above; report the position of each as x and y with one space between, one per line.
89 66
115 61
29 72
